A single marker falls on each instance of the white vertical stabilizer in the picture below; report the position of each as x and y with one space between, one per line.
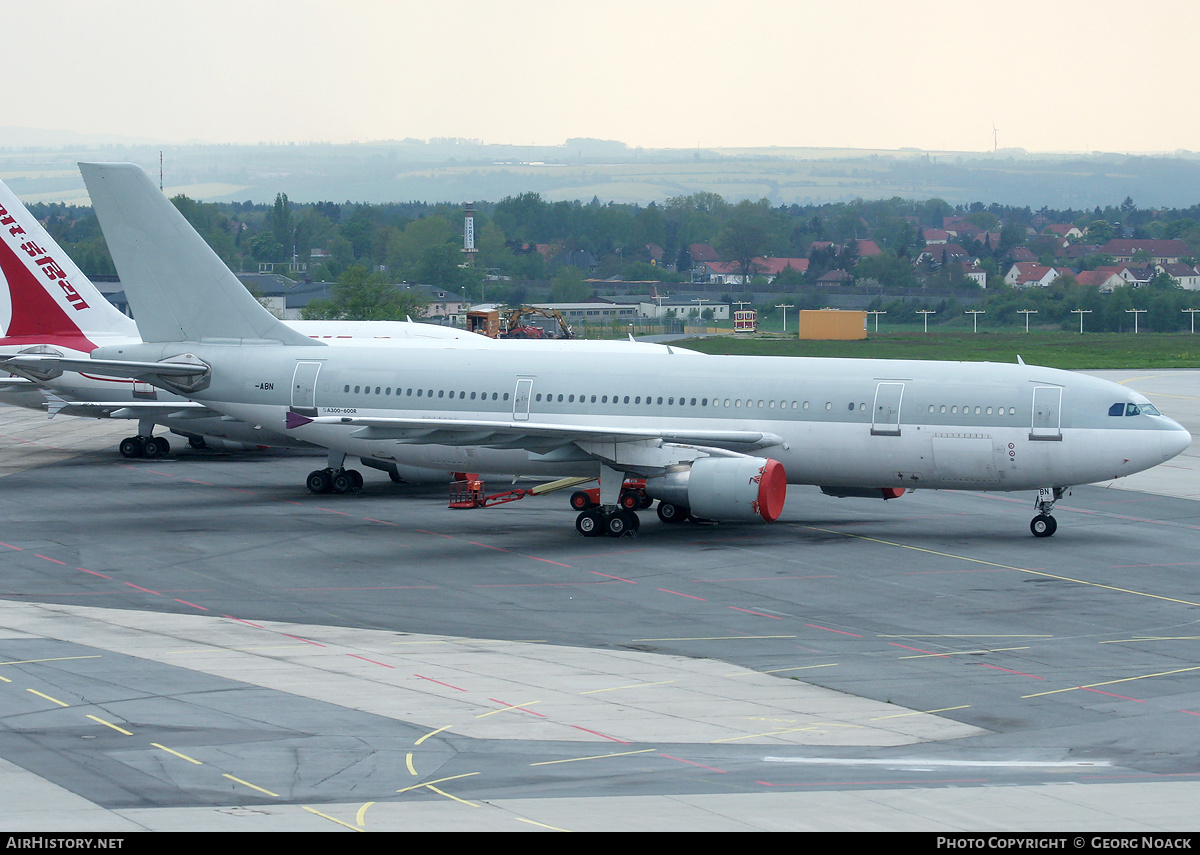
179 289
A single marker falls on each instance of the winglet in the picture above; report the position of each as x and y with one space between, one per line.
179 289
1020 361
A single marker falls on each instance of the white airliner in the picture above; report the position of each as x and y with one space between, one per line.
713 437
48 306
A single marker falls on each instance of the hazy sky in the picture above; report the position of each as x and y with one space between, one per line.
1098 75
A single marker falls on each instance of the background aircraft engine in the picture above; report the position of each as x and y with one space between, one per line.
725 488
884 493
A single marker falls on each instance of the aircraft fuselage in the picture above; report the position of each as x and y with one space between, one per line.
844 422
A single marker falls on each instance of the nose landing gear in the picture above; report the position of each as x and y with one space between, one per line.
1044 525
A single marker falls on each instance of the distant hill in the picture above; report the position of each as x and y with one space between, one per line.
40 166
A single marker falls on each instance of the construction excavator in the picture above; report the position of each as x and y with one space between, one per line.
510 323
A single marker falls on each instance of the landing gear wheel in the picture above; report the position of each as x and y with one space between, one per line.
156 447
320 481
1043 525
621 523
669 513
346 481
580 500
132 446
197 442
590 523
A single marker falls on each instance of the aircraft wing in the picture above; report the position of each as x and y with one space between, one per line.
128 409
16 383
540 437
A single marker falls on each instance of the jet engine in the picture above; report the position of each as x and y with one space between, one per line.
728 488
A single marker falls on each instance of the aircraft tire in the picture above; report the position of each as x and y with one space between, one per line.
197 442
590 523
669 513
1043 525
357 478
319 481
131 447
621 523
157 447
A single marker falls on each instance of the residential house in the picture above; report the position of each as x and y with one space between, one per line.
1029 274
1165 251
1104 278
1186 276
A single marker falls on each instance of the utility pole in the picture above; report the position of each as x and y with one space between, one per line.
926 313
1026 313
785 307
975 313
1081 313
1135 313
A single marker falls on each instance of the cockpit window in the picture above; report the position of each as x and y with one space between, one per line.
1146 409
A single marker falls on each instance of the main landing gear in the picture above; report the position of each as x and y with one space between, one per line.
334 478
144 446
617 520
613 521
1044 525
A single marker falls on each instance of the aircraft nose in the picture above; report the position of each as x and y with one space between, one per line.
1174 440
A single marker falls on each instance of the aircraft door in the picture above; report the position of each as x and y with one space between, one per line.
304 388
1047 414
885 421
521 398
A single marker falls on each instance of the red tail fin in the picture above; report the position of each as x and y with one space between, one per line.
47 299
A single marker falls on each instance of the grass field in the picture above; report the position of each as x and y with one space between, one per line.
1053 349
